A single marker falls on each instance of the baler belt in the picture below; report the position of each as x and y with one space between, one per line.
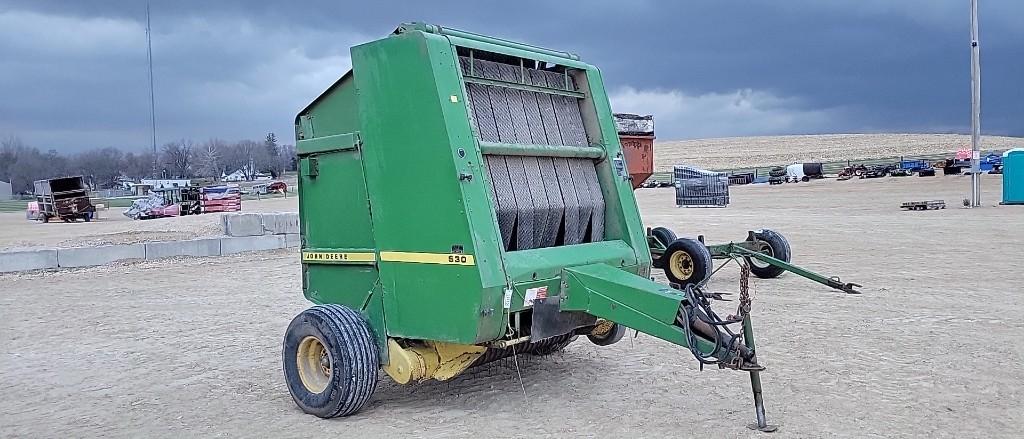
504 198
579 183
547 111
540 201
572 223
597 197
541 205
526 214
499 105
520 125
556 205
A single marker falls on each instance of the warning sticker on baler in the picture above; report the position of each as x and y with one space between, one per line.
533 294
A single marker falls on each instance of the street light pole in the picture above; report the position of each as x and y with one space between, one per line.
975 108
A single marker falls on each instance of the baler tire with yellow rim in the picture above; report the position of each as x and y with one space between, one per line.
686 261
330 361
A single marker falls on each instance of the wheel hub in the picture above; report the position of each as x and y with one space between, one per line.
314 364
681 265
764 248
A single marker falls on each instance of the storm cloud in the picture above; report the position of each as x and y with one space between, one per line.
73 75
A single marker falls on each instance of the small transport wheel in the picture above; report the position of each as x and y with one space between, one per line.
330 360
686 261
606 333
44 218
665 236
772 244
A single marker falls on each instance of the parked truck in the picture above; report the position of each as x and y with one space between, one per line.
65 198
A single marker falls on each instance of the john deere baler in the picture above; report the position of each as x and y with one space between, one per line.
464 198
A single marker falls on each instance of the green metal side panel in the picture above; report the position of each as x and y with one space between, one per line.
335 216
334 112
414 121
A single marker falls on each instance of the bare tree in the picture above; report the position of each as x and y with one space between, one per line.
137 165
208 158
288 157
247 156
101 167
177 157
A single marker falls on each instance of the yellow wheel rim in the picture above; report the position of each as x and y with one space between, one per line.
681 265
314 362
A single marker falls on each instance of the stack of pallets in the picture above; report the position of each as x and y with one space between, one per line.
226 198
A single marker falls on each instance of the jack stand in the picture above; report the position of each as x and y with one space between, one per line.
748 339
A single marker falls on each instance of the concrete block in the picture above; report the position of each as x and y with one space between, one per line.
281 223
293 240
242 224
27 260
90 256
193 247
231 245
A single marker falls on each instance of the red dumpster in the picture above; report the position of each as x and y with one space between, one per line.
636 134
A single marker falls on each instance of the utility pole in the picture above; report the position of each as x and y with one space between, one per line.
152 100
975 108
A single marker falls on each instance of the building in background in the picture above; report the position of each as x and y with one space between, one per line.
5 191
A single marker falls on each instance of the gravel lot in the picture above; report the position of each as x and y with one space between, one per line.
191 347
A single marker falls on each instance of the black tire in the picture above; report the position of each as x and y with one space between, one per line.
44 218
610 337
352 361
686 261
776 246
664 235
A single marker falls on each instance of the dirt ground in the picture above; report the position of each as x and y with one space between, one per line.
191 347
114 228
749 152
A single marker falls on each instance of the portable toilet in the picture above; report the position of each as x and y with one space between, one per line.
1013 176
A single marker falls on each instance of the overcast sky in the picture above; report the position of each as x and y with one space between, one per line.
73 74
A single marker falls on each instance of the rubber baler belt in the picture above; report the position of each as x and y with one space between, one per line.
509 115
540 201
545 202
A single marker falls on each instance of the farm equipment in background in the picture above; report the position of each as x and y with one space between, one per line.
953 166
777 175
65 198
166 202
877 171
852 171
522 233
900 172
909 167
277 187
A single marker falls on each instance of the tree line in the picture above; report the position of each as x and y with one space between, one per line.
21 164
